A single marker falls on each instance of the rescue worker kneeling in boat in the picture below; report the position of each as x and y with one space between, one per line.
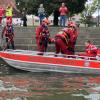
8 33
61 41
42 36
91 50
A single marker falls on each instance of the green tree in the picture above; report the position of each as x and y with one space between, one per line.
74 6
86 15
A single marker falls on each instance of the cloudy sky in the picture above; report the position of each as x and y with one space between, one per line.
90 1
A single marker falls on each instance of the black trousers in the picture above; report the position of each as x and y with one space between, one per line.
9 42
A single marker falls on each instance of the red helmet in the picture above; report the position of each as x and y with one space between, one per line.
65 30
46 21
71 24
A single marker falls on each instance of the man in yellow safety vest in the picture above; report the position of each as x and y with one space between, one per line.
9 13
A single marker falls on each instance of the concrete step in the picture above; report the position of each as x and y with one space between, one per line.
24 41
81 41
94 36
25 37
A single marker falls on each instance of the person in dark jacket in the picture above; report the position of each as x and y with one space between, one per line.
56 15
24 18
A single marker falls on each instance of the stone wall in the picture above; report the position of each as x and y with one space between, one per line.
25 37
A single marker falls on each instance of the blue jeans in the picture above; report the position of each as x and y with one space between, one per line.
41 16
63 20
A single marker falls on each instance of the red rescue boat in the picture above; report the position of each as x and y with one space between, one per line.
33 61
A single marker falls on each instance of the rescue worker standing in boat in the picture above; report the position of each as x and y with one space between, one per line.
8 33
42 36
72 30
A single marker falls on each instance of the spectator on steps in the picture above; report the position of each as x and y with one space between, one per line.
41 13
63 12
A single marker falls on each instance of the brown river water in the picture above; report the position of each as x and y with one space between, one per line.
21 85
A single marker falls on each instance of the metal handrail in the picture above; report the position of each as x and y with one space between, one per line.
71 56
61 55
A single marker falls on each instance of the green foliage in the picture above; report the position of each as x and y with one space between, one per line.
86 15
91 8
74 6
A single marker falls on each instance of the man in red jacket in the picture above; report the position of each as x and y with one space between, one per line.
73 37
61 41
63 12
1 14
42 36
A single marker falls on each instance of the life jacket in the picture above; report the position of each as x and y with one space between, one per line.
64 36
38 31
9 31
45 31
42 31
91 49
73 36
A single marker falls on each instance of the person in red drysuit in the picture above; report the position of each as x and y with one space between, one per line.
91 50
8 33
1 14
61 41
42 36
73 37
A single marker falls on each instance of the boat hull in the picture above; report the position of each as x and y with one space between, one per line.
35 67
36 63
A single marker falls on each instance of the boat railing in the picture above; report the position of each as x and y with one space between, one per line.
52 54
73 56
